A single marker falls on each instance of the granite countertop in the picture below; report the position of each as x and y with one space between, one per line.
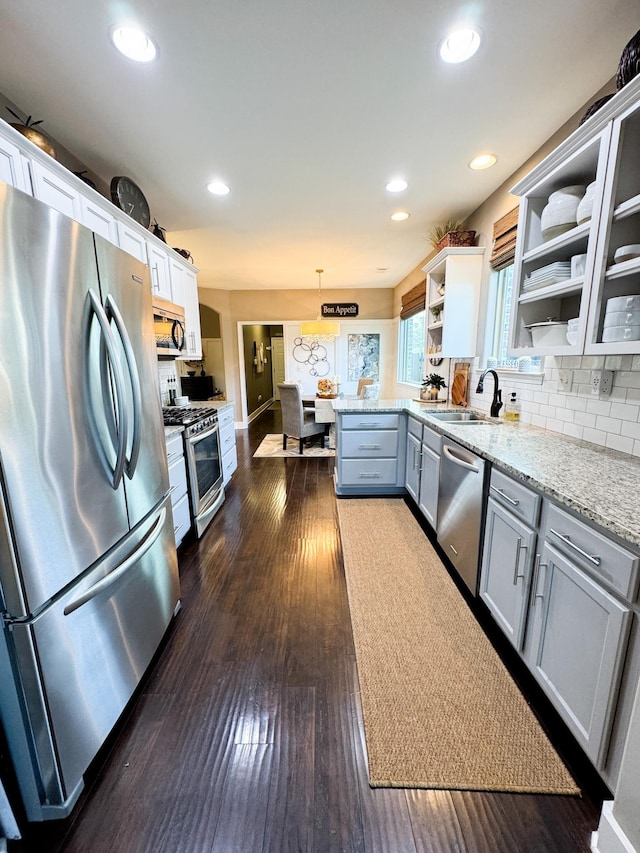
598 483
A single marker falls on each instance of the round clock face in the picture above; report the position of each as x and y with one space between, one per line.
128 196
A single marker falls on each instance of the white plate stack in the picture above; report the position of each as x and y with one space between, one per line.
622 319
551 274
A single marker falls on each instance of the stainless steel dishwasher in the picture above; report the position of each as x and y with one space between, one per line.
460 509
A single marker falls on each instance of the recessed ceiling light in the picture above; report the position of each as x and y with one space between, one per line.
397 185
218 188
399 215
134 44
460 45
483 161
382 269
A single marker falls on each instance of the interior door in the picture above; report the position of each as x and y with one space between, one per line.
277 364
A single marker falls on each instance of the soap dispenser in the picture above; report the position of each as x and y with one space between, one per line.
512 409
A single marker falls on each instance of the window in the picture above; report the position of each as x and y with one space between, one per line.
411 349
498 332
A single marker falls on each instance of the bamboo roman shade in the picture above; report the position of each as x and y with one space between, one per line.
505 231
414 300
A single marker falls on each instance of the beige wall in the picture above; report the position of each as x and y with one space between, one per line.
279 306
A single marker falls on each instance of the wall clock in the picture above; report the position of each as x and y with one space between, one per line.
128 196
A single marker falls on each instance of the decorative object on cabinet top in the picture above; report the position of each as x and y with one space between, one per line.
629 65
28 130
185 253
128 196
158 230
450 234
595 106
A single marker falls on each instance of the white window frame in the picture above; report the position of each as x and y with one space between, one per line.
419 317
496 337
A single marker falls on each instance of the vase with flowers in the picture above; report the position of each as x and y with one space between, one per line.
431 386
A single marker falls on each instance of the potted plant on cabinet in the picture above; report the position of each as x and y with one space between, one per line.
431 386
450 233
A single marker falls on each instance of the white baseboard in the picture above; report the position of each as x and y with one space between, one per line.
609 837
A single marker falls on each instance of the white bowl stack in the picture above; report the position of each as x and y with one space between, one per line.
572 331
622 319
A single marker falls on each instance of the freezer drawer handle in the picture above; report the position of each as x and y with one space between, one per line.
593 558
123 568
457 460
113 311
92 307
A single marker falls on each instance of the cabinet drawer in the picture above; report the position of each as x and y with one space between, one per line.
590 549
181 519
415 427
229 463
516 497
432 439
369 443
174 445
358 472
227 438
367 421
177 479
225 417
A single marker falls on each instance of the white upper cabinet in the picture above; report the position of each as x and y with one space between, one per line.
13 167
53 189
159 269
453 298
572 273
192 315
99 218
177 274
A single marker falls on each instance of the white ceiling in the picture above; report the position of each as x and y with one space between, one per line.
306 109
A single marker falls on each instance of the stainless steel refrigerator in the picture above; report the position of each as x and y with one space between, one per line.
88 567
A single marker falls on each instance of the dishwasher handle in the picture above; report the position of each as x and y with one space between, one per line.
451 454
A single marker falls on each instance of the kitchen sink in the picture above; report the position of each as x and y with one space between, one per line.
460 417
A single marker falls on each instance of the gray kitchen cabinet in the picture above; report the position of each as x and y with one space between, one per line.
422 472
507 563
577 641
370 453
509 553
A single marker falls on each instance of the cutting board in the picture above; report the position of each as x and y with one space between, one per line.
459 385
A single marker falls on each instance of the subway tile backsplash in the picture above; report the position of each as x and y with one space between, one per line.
563 401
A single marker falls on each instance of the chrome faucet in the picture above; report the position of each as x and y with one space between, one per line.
496 403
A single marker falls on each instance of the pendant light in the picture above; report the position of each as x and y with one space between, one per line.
319 329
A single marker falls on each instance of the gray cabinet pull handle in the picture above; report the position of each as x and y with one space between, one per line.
536 578
593 558
505 496
368 447
519 547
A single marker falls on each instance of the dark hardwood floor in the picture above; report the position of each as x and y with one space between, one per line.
247 736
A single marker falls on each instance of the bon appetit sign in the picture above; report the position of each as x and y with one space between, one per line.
339 309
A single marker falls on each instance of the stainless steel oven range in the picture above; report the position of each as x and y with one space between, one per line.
203 460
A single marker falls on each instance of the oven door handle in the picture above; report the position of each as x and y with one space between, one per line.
192 440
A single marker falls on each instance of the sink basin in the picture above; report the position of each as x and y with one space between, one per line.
460 417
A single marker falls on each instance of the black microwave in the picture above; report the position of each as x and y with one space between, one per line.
168 327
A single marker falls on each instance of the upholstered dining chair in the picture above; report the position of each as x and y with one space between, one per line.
362 384
297 422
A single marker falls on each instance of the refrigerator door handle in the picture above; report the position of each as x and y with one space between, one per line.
122 569
113 311
94 308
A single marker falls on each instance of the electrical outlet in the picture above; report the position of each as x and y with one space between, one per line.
601 382
566 379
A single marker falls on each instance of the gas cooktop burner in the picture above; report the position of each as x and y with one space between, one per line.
183 415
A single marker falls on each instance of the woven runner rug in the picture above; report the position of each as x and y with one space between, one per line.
271 445
440 709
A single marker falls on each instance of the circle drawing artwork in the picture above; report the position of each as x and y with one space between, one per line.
313 354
